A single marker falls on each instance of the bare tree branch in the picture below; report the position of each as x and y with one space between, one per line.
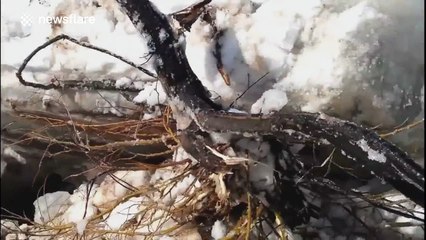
89 85
173 69
365 147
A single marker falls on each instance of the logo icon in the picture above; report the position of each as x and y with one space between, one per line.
26 20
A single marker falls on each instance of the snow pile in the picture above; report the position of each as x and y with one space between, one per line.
147 197
218 230
82 208
110 189
176 193
64 60
123 212
249 49
321 56
333 56
330 56
356 60
152 94
50 207
60 208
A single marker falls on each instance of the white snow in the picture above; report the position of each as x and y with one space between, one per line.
111 190
234 110
154 114
249 49
218 138
152 94
12 153
65 60
331 56
62 207
372 154
271 100
81 208
310 58
163 35
123 82
180 154
122 213
320 70
325 57
50 207
218 230
167 8
184 187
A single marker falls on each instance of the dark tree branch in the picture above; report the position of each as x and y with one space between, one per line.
194 141
363 146
179 80
174 72
90 85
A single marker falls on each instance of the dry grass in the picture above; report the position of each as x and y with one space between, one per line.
107 146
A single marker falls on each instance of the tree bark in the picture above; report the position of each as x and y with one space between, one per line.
173 70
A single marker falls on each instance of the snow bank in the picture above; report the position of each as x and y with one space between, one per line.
357 60
110 195
67 61
330 56
343 58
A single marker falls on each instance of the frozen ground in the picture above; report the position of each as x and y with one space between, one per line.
359 60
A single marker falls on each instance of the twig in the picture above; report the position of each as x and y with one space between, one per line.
248 88
398 130
228 160
105 85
